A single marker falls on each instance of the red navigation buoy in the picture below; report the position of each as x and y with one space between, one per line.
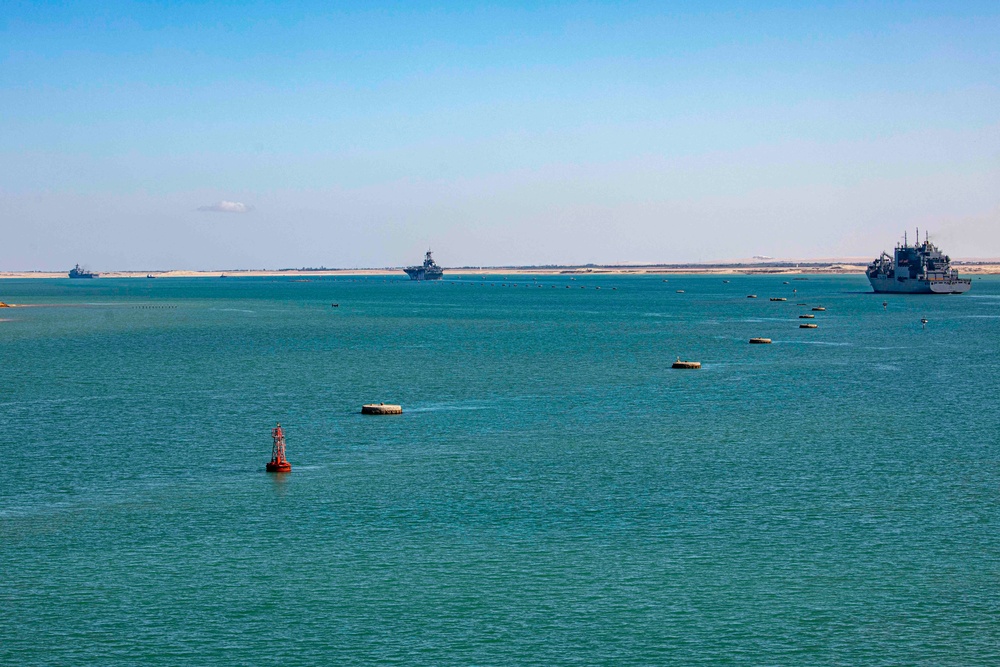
278 462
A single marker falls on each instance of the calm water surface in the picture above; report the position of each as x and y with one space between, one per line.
554 494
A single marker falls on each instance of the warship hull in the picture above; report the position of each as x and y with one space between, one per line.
885 285
421 274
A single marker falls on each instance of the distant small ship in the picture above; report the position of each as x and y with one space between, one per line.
77 272
427 271
916 269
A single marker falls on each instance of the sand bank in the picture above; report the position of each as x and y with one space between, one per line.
778 268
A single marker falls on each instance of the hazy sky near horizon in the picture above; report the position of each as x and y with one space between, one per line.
269 135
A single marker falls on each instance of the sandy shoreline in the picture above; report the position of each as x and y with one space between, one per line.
805 268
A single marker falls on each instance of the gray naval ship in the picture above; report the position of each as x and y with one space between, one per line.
426 271
77 272
916 269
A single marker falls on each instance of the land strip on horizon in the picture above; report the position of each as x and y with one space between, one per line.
974 267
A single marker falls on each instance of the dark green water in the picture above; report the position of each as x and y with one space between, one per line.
553 494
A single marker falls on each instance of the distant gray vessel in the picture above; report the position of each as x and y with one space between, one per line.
77 272
916 269
426 271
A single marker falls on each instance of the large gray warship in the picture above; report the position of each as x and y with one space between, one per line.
427 271
916 269
77 272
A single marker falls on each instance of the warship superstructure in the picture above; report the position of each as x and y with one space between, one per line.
77 272
426 271
918 269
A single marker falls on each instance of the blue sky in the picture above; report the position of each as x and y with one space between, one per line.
498 133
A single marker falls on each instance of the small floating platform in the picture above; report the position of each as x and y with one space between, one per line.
687 365
778 298
381 409
807 326
819 309
760 341
806 317
278 462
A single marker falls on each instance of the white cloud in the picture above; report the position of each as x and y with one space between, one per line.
226 207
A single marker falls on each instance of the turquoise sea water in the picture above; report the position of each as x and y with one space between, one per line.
553 494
